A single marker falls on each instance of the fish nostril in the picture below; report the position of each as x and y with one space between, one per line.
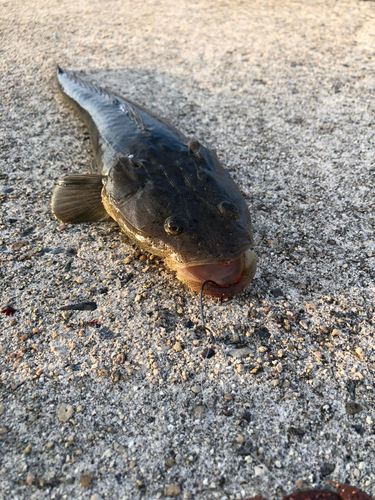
229 209
174 225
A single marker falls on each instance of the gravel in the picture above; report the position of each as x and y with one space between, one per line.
103 390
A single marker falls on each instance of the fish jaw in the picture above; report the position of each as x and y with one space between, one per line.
230 277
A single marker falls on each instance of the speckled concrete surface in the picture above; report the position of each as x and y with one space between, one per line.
108 403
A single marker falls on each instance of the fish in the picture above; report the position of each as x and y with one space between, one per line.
169 195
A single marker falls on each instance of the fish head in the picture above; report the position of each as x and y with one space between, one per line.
191 213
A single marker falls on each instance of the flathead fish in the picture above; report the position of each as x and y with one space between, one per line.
168 194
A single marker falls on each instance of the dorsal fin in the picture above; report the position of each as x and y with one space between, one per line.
133 114
125 106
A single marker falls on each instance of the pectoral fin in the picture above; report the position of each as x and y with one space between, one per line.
77 198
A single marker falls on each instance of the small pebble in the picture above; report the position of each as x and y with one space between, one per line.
95 496
240 353
18 245
64 412
177 347
299 483
335 332
199 410
274 382
259 470
2 409
115 376
120 358
30 479
358 351
196 389
171 490
169 462
240 439
86 480
118 447
228 397
132 464
352 408
27 449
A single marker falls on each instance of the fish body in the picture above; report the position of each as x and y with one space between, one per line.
170 195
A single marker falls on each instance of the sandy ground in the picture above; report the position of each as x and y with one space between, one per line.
108 403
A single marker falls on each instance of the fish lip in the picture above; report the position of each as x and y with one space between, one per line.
177 265
229 289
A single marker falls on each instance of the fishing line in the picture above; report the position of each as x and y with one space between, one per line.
209 338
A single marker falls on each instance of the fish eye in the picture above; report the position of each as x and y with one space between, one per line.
229 209
174 225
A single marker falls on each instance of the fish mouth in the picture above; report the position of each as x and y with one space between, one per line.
230 277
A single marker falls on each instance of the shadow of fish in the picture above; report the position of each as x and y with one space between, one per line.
169 195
